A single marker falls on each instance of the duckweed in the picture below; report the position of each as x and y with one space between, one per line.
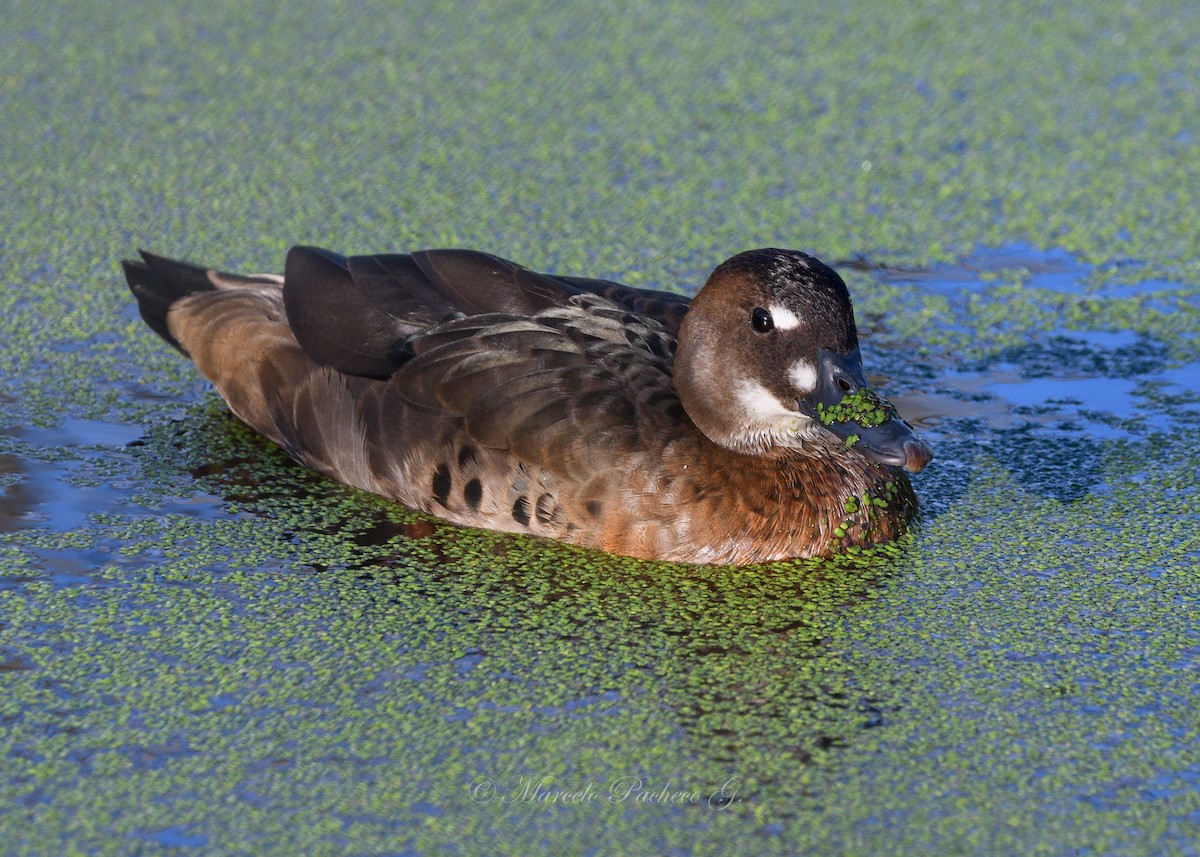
863 407
206 648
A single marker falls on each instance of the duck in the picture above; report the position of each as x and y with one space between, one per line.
735 428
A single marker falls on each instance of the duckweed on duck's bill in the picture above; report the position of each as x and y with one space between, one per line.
863 406
735 428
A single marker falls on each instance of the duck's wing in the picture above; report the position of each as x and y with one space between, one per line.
575 383
357 313
354 313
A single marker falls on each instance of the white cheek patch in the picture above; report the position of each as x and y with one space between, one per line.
784 318
760 403
804 375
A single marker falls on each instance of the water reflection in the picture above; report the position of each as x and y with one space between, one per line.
17 498
49 479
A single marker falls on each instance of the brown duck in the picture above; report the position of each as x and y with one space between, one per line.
734 428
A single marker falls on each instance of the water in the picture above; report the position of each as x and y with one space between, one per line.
1103 384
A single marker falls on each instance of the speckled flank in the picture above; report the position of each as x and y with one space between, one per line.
442 485
473 494
520 511
206 649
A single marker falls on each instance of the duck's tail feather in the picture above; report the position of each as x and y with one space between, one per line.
158 282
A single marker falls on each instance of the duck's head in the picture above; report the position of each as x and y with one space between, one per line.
768 360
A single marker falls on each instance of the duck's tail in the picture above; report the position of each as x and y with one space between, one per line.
158 282
235 329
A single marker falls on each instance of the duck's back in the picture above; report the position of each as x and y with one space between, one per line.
356 313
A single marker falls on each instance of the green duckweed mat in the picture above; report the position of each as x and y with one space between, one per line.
205 649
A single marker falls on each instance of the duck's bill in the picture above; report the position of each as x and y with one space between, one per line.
846 406
891 442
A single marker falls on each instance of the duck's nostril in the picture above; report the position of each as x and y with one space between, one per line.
843 385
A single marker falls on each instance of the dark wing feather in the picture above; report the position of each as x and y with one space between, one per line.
397 285
337 322
355 313
481 282
363 315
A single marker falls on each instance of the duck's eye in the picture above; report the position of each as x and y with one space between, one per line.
761 321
